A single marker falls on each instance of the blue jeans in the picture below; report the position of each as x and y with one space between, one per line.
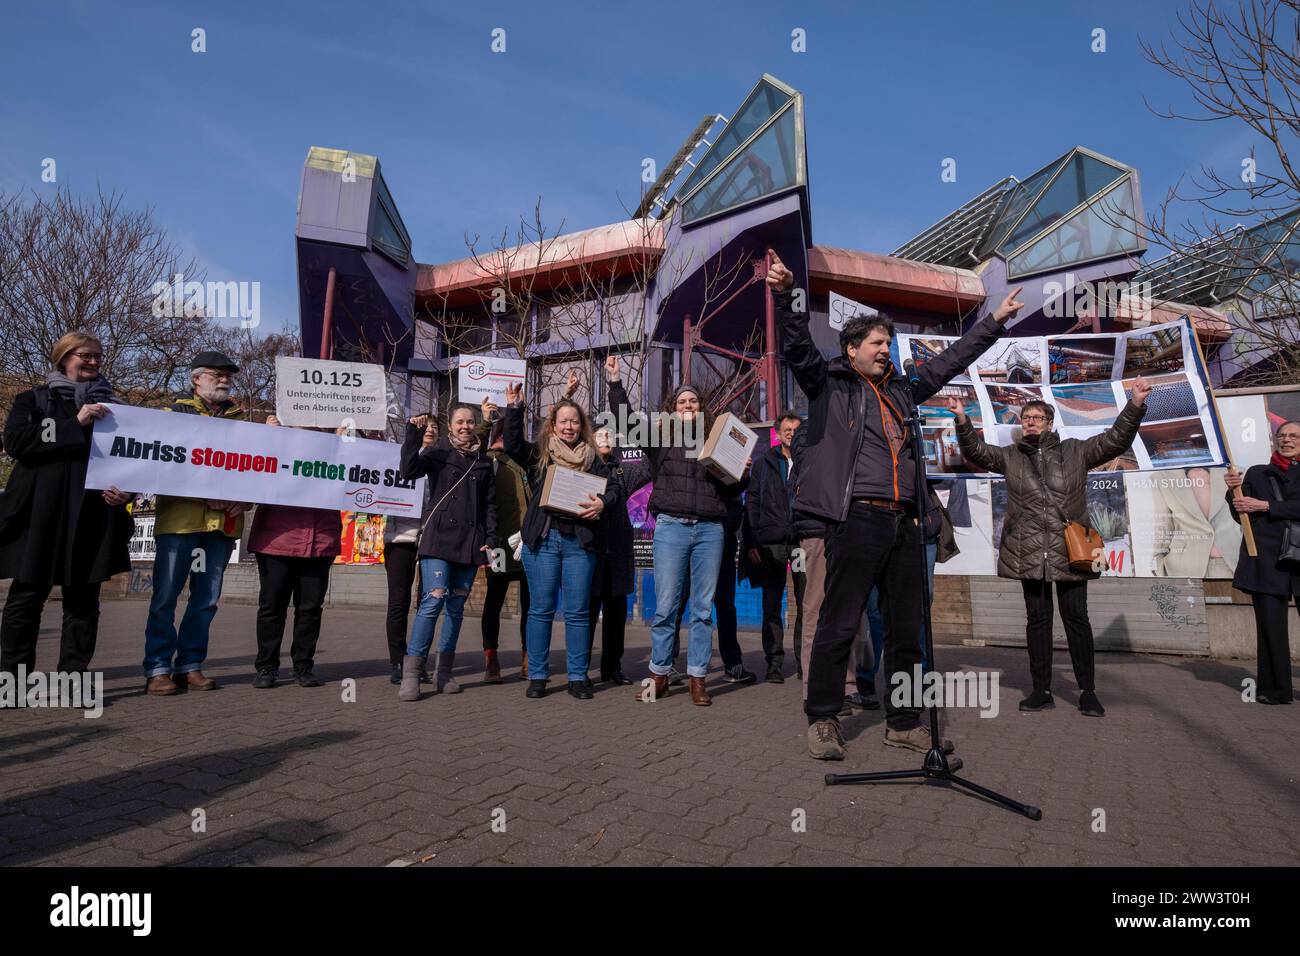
877 621
684 553
452 582
167 651
559 565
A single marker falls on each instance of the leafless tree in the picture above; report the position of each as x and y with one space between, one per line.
1241 65
88 263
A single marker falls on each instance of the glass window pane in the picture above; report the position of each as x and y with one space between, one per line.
768 165
762 104
1025 194
1105 228
1081 178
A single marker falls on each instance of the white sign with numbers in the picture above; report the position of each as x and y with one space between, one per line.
317 393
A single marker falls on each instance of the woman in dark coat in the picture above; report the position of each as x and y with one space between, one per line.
615 575
458 532
52 529
1271 496
1047 479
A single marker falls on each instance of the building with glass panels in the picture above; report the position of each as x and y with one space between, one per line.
678 288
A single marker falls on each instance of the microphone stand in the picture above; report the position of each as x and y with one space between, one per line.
935 769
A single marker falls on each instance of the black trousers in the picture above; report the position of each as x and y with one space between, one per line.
1073 597
872 547
1273 647
497 587
773 620
22 625
400 564
724 608
303 581
613 625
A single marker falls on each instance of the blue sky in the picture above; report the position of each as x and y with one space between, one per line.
469 139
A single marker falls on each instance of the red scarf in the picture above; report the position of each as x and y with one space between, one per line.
1283 463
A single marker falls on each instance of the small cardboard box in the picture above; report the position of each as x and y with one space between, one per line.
728 447
566 489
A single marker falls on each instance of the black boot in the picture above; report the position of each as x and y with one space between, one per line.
580 689
1090 706
536 689
1038 700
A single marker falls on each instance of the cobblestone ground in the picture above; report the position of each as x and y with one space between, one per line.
1184 771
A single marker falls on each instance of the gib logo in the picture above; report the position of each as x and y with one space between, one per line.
76 909
364 497
476 370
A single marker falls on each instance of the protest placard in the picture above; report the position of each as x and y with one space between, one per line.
316 393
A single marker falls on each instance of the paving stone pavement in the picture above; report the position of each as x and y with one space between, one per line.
1185 772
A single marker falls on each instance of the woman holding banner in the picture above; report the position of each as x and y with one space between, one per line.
458 531
559 549
52 529
295 549
1271 497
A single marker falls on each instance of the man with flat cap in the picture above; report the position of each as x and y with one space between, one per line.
194 540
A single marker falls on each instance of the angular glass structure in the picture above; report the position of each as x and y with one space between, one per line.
761 153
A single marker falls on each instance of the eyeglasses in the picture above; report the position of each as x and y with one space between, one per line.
219 376
1288 437
90 356
1033 418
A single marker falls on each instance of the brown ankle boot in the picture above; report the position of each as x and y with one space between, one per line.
491 667
660 684
699 696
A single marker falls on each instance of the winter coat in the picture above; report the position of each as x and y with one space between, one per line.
537 520
191 515
287 531
767 502
1033 531
683 488
53 531
618 556
845 411
1261 574
462 514
512 491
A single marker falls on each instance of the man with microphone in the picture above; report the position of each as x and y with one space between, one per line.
858 475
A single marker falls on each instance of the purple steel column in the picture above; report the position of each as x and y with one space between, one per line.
327 324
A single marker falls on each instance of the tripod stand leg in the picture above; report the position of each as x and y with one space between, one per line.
1032 812
834 778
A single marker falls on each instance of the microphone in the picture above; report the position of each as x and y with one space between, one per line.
909 369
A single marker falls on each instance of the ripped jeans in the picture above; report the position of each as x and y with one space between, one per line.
444 584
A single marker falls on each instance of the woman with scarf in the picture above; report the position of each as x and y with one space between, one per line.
1271 497
559 549
458 531
53 530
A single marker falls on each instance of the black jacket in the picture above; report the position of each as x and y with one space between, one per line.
1045 482
683 488
844 412
462 516
592 535
618 559
767 503
52 529
1261 575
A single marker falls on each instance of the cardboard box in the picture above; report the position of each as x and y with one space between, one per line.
730 444
566 488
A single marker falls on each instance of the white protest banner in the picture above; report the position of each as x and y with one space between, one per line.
316 393
842 309
193 456
481 376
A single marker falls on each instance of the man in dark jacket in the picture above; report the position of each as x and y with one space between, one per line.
1047 481
859 476
768 534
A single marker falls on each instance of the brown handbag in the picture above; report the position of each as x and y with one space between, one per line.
1083 545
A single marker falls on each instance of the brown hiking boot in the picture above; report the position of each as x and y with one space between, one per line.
491 667
916 738
194 680
161 685
699 696
659 685
825 742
